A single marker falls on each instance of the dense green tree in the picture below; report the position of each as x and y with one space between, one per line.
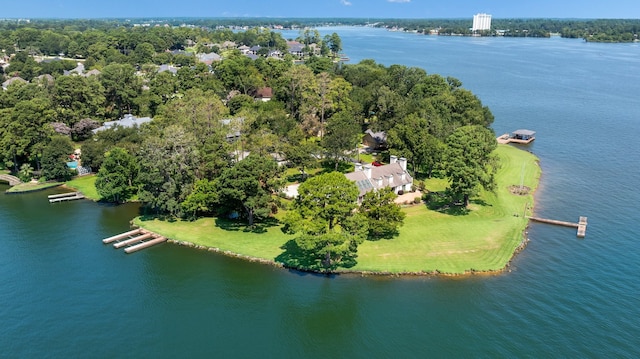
167 170
239 102
202 200
249 186
297 84
25 130
302 155
411 139
334 43
383 215
54 158
319 64
121 86
323 218
468 161
116 179
272 69
199 112
93 151
343 136
239 73
143 53
77 97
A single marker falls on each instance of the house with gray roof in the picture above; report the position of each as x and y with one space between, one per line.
244 49
295 48
127 121
45 79
375 140
371 178
93 72
208 59
13 81
78 70
254 49
233 126
167 67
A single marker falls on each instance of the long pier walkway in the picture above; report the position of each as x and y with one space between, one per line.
65 197
581 225
134 240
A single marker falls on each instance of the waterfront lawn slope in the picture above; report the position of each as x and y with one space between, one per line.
86 185
430 241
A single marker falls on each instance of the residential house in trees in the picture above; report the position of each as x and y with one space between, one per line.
12 81
295 48
254 49
128 120
208 59
168 67
93 72
263 94
375 140
244 49
78 70
371 178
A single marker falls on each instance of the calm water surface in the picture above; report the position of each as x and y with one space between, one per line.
64 294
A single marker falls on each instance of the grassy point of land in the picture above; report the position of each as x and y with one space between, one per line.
86 185
32 186
483 239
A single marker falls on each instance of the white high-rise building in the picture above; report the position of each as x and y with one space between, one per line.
481 22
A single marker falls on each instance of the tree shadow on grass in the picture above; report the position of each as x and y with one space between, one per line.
480 202
150 217
297 258
442 203
302 260
236 225
329 166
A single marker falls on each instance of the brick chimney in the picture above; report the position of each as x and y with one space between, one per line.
393 159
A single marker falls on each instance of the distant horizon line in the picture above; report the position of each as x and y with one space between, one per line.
304 18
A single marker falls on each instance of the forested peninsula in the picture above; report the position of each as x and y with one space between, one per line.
267 147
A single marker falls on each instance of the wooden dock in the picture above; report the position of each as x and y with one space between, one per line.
65 197
581 225
134 240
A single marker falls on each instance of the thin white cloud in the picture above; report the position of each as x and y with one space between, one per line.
345 2
399 1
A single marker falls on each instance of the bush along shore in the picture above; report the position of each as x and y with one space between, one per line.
482 239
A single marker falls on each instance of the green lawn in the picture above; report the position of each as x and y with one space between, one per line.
225 235
86 185
483 239
30 186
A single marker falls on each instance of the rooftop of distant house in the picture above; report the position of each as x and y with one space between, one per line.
127 121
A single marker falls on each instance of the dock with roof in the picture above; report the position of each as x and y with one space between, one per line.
521 136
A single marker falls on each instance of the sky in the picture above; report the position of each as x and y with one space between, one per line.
321 8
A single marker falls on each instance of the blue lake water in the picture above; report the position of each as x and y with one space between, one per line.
64 294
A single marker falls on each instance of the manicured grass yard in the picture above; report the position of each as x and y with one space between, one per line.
225 235
31 186
86 185
483 239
